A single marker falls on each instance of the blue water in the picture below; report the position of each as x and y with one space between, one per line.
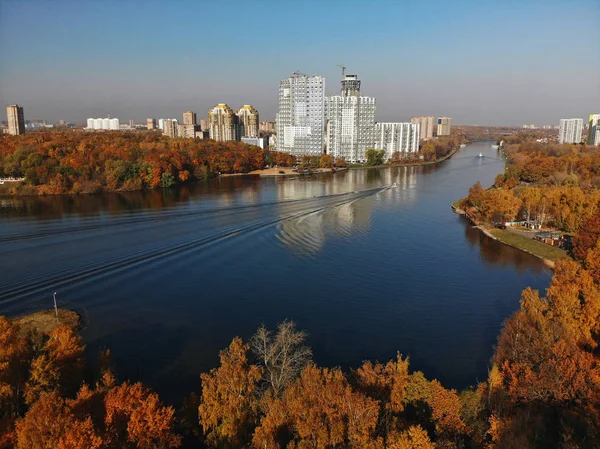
166 279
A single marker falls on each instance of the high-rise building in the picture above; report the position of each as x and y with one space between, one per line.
425 123
569 130
222 123
204 124
267 127
170 128
189 118
401 138
151 123
594 130
443 126
90 123
189 131
350 122
113 124
248 121
16 119
301 116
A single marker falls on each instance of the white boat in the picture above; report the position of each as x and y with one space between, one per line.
495 147
480 155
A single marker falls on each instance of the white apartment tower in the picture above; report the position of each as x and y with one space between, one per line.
301 116
248 121
569 130
594 130
425 125
402 138
350 122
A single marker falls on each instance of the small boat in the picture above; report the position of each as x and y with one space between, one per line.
480 155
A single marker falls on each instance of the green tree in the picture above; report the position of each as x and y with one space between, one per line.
375 157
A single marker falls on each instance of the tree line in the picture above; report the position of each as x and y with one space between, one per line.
55 162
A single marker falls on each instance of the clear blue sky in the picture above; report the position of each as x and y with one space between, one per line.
480 62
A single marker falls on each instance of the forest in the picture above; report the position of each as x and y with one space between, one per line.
543 387
68 161
553 185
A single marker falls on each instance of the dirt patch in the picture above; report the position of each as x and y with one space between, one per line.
40 323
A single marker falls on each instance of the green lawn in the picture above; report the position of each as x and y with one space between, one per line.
533 246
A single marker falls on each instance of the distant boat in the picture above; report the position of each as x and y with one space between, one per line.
495 147
462 145
480 155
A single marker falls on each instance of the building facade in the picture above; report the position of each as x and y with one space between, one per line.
189 131
189 118
594 130
16 119
222 123
570 130
401 138
443 126
267 127
425 123
248 121
171 128
151 123
256 141
301 116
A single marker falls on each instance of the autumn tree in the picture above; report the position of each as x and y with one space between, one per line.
319 410
375 157
282 355
59 366
586 236
228 404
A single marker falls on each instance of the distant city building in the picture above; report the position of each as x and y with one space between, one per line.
594 130
569 130
190 131
170 128
443 126
301 116
267 127
105 124
530 127
425 123
131 124
400 138
151 123
222 123
204 124
350 122
189 118
16 119
256 141
248 121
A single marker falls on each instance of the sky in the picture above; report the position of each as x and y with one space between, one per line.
481 62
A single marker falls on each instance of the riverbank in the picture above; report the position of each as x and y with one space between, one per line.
44 321
548 254
289 171
407 164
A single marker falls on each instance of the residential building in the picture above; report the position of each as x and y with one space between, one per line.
151 123
350 122
189 131
171 128
16 119
204 124
594 130
105 124
266 127
222 123
301 116
256 141
443 126
425 123
189 118
569 130
247 121
402 138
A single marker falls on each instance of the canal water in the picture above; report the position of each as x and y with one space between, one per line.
368 262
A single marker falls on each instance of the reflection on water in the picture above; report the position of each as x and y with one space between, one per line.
166 278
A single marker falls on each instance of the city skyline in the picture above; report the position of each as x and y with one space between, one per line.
477 77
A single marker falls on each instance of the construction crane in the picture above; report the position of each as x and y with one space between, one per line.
343 70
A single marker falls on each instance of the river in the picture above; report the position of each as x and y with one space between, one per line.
167 278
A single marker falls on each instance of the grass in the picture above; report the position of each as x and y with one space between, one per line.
533 246
39 323
457 204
